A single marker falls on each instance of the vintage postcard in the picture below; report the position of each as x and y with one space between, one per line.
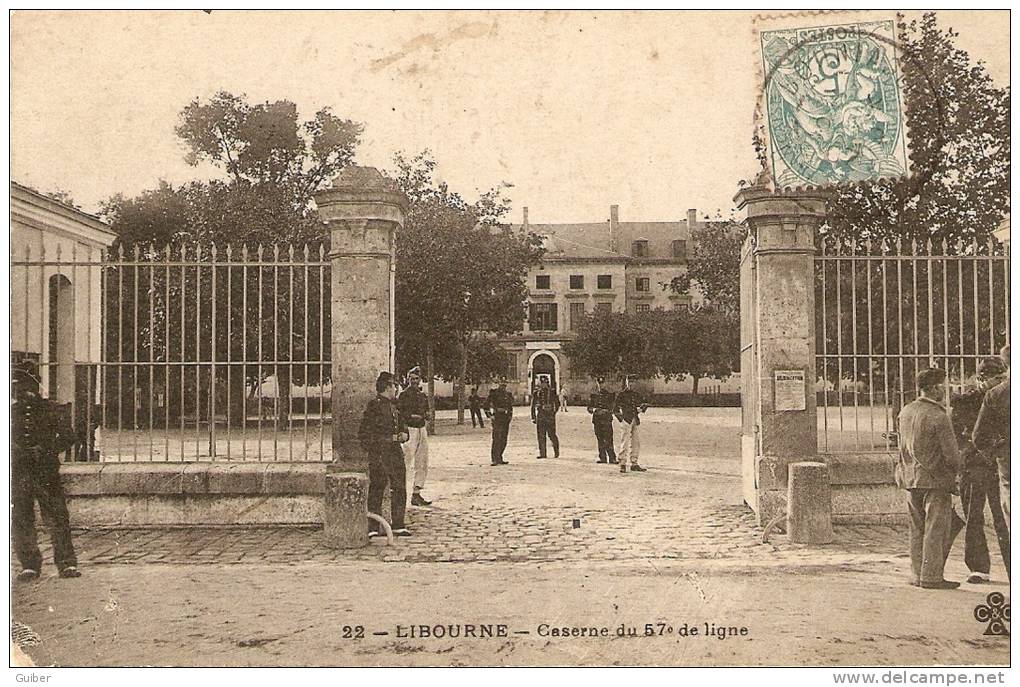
511 338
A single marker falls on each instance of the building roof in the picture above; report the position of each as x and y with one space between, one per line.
587 240
43 212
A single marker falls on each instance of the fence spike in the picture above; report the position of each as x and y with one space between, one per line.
322 251
276 252
213 252
259 251
867 245
959 247
290 253
138 254
230 251
306 252
244 252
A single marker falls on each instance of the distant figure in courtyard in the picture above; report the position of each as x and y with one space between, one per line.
629 406
601 405
928 465
979 481
500 404
475 403
38 436
414 411
381 434
991 431
563 398
544 406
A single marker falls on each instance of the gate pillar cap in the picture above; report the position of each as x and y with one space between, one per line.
759 201
361 193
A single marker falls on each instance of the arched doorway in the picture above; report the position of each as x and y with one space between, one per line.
59 371
543 364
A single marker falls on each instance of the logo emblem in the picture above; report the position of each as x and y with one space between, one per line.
833 104
995 612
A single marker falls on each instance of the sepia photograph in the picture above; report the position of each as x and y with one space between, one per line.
511 338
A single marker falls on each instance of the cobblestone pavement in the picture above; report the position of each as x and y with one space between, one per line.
685 507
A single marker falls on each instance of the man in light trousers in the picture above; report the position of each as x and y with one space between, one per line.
414 411
629 406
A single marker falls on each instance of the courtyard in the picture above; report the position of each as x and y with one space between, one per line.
559 543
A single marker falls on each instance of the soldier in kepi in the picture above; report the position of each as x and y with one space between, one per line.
381 434
629 406
38 437
544 406
414 411
500 404
601 405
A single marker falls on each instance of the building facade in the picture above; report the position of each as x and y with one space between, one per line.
56 297
612 265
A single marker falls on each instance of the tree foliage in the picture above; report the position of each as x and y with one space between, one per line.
959 124
615 343
713 267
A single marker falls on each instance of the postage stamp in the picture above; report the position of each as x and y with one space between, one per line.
833 104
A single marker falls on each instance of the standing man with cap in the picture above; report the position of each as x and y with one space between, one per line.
414 411
381 433
501 405
544 406
928 465
601 405
991 432
37 438
979 481
629 406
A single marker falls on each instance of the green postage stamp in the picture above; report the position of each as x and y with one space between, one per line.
833 104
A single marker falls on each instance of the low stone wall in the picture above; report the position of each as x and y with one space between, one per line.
864 488
152 494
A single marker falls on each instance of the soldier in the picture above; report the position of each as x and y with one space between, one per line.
544 406
629 406
601 406
414 411
501 406
979 480
38 437
381 433
991 431
475 402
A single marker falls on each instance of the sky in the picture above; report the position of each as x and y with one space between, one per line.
651 111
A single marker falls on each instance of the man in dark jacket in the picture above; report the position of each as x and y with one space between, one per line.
381 434
629 406
38 436
500 405
991 431
414 412
928 465
475 403
544 406
979 481
601 405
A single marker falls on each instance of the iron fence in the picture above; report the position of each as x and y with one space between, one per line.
195 352
887 310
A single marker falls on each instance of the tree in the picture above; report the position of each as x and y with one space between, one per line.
960 151
714 265
700 342
272 164
615 343
461 273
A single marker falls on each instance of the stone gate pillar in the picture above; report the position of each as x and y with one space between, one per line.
363 209
778 309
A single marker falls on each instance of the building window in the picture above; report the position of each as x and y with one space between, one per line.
639 249
541 281
680 249
605 281
511 365
642 307
576 315
577 281
542 317
603 307
643 284
681 306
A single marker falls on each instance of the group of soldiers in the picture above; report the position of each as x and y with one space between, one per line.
961 451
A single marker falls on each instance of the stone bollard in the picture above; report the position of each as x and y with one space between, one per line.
346 510
809 504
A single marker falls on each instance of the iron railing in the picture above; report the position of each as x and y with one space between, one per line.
887 310
203 352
